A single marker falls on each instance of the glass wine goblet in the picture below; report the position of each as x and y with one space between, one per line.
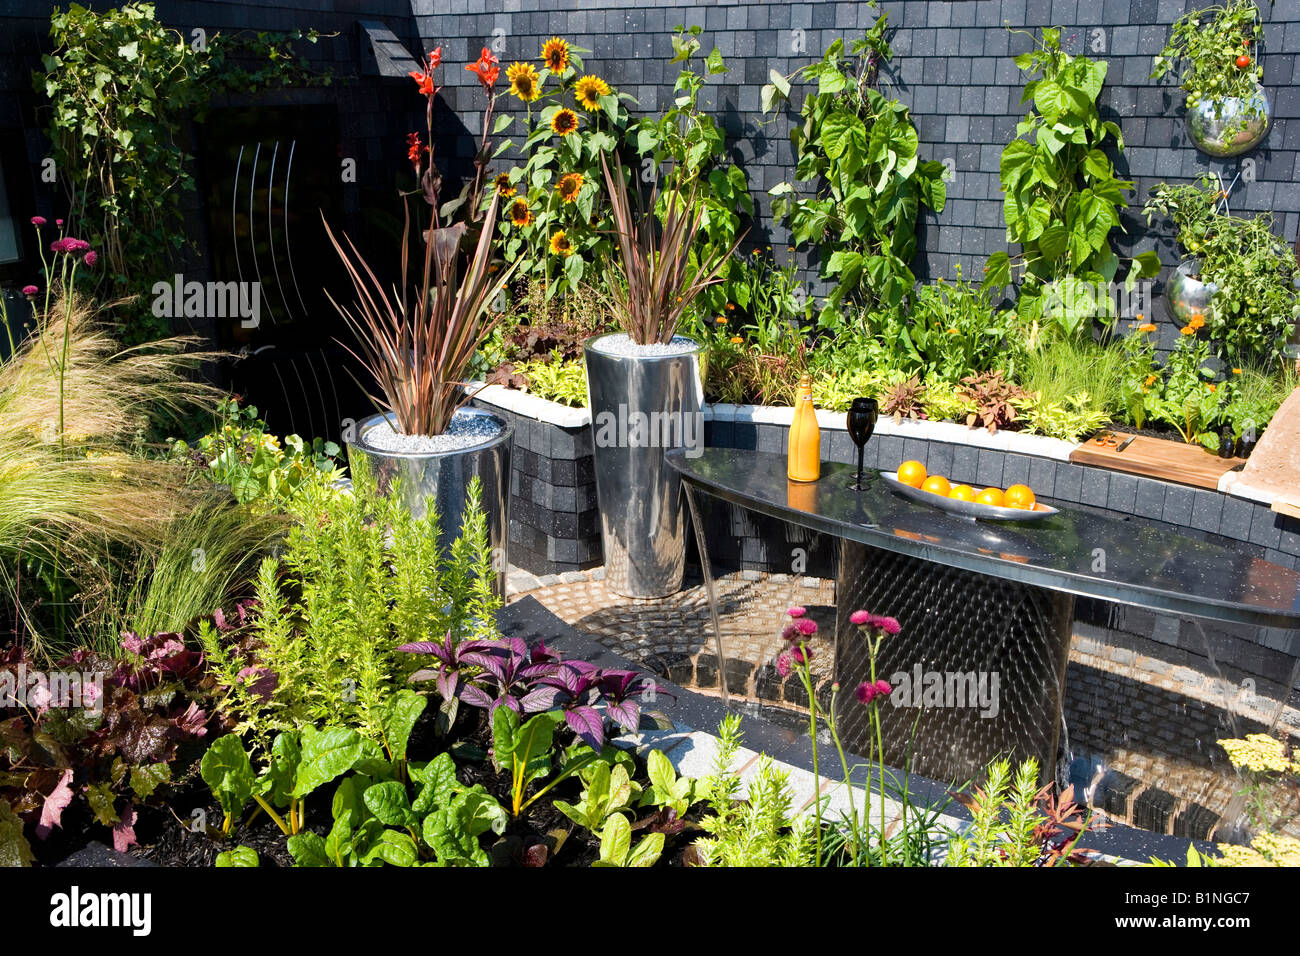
862 422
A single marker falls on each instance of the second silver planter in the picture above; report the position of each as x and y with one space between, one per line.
1187 296
641 406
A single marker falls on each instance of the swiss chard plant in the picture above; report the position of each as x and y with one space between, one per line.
859 150
1061 197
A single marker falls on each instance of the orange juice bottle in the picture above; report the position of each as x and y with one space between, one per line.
804 455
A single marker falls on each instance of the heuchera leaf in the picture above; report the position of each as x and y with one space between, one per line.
55 803
124 830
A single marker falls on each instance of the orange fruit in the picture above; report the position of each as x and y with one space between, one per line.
962 493
911 473
1020 496
936 485
992 496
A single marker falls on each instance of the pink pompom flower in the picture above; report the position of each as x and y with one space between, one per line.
38 221
797 611
30 290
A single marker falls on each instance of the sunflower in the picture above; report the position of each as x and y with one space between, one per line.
560 244
503 187
524 81
569 185
589 90
564 122
555 54
520 214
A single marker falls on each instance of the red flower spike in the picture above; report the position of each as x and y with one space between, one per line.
486 68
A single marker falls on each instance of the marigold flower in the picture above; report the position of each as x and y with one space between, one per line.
524 81
1147 327
569 186
736 340
721 320
588 91
555 54
560 244
564 122
1187 330
1236 371
486 68
731 307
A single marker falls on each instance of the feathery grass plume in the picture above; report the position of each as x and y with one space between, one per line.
418 348
653 282
75 498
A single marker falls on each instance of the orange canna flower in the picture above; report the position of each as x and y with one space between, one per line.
424 77
487 68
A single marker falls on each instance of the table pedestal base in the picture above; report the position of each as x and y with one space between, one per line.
978 670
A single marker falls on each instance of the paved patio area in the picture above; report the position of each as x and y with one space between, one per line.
1140 727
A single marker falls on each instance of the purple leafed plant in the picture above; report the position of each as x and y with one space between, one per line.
492 674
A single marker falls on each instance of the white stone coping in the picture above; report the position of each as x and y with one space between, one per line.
1020 443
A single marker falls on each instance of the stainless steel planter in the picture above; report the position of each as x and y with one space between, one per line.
1187 296
1231 126
444 477
640 407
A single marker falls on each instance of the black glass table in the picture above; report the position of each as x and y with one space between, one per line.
986 607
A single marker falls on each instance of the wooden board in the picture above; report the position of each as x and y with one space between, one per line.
1158 458
1288 508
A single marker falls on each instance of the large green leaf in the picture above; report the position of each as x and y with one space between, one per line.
330 753
388 802
400 714
226 770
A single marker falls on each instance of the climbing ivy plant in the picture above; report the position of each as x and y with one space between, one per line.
1061 197
860 149
121 89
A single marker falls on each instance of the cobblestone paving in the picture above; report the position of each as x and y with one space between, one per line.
1141 730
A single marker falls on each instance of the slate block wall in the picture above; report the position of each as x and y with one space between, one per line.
953 67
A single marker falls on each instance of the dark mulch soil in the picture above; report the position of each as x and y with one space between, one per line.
169 837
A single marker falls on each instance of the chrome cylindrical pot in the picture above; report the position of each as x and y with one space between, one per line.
642 406
443 478
1229 126
1187 296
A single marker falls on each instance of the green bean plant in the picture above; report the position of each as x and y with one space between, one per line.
1061 197
859 151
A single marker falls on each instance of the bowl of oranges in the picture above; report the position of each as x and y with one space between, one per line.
1013 503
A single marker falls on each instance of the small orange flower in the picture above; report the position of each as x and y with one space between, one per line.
1187 330
1213 387
736 340
731 307
1236 371
721 320
1148 327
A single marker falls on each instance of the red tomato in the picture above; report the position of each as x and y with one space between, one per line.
1243 61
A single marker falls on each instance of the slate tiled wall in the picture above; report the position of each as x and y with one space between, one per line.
952 66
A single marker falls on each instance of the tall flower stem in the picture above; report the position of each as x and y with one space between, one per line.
805 676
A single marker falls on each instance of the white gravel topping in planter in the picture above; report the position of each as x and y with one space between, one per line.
621 344
465 431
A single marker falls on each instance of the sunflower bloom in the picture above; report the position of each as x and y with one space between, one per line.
569 186
520 214
555 54
560 244
524 82
564 122
503 187
588 92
